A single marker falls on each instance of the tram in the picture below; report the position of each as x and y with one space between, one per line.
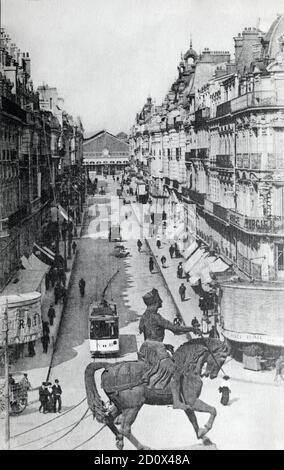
104 327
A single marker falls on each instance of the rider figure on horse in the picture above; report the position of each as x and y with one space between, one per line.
155 352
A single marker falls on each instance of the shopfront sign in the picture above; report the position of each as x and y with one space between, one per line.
253 338
24 317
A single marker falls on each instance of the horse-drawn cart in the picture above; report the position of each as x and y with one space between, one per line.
18 398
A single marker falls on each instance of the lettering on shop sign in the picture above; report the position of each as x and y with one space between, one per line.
254 338
259 224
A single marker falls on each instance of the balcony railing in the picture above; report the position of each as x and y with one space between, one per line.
256 99
196 197
217 210
12 108
249 161
272 224
224 161
223 109
201 116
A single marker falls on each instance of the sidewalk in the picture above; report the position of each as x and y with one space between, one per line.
38 367
190 308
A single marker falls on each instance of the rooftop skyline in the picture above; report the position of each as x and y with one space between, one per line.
106 56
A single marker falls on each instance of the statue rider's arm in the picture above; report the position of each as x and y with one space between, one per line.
176 329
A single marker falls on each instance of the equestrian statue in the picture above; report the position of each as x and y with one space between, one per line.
160 376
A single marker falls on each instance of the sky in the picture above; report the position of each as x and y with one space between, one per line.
106 56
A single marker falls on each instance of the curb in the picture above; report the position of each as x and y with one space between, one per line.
166 283
55 336
162 274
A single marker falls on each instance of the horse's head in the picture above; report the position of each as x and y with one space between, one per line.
218 351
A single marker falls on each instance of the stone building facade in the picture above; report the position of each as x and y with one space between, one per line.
217 145
217 141
30 158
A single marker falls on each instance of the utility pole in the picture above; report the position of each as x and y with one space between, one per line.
68 215
6 391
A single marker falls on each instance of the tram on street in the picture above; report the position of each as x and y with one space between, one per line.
104 326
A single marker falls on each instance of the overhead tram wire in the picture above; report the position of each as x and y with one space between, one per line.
49 421
47 435
89 439
68 432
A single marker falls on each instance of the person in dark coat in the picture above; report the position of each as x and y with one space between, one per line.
139 245
195 323
213 333
163 261
225 389
171 251
51 314
45 342
57 293
179 271
151 264
182 291
158 243
43 397
74 246
47 281
31 348
56 393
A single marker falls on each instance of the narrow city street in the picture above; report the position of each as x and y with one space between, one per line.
243 424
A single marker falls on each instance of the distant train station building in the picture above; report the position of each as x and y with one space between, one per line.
105 154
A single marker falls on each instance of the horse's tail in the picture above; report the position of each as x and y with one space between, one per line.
94 400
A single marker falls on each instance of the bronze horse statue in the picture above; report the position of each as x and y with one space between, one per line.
123 384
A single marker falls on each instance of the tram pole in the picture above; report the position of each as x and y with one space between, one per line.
6 391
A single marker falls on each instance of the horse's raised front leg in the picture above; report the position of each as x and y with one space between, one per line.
202 407
128 417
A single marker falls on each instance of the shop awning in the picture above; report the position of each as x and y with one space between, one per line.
190 250
29 279
219 266
59 214
189 264
44 254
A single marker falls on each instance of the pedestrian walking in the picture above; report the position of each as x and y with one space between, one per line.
74 247
182 291
187 275
213 333
82 285
62 276
31 348
179 270
163 261
56 393
47 281
51 314
205 324
171 251
151 264
43 397
225 389
25 386
139 245
64 296
279 368
158 244
45 328
57 293
203 305
45 342
52 277
195 323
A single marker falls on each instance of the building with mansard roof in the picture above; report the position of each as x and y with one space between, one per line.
104 153
217 145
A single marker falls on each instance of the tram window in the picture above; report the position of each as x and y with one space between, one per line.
102 329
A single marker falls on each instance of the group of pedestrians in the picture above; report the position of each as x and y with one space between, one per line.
50 397
174 251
